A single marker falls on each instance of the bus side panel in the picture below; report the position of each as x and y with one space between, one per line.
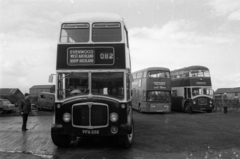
177 103
144 89
180 82
201 81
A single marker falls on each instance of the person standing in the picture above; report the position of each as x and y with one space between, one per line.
25 109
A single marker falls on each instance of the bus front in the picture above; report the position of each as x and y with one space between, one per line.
200 92
93 81
158 94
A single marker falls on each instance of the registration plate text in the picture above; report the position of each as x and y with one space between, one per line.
90 131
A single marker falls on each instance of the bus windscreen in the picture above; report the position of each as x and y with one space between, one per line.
158 96
73 33
158 74
106 32
108 84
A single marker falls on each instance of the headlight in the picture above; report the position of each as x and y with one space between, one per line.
58 106
210 102
66 117
113 117
123 106
194 102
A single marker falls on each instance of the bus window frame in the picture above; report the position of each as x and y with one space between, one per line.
65 28
106 27
126 36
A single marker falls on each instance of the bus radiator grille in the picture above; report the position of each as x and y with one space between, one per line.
85 116
202 101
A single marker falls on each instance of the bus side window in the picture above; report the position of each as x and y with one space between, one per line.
174 93
144 74
42 96
185 93
144 95
139 75
189 92
140 82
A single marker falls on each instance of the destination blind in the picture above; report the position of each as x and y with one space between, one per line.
90 56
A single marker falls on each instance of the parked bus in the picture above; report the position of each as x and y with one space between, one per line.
152 90
93 80
192 89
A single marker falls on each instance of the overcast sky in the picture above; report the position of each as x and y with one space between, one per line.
164 33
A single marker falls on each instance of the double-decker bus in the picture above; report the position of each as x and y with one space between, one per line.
192 89
93 80
152 90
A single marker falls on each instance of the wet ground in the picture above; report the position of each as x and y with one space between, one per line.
175 135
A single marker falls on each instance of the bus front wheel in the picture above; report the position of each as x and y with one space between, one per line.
61 140
126 140
188 108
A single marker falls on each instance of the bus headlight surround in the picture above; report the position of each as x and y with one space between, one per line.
113 117
66 117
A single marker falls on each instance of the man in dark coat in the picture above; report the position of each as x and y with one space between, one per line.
25 109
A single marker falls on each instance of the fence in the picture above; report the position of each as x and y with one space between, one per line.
232 104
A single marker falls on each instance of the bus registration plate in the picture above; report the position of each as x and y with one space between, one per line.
90 131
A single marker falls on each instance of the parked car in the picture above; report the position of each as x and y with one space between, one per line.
45 101
6 106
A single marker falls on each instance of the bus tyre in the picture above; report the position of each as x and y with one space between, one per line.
187 108
209 111
1 111
126 140
61 140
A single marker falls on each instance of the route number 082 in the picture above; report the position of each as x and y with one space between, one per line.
106 56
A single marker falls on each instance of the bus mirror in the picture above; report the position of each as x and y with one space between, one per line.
50 79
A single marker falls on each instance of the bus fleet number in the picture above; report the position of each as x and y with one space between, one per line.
106 56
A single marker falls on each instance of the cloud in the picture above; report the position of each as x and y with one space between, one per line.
231 9
26 61
177 44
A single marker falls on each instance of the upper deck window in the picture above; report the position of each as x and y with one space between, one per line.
73 33
106 32
158 74
199 73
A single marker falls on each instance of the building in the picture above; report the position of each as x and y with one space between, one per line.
232 93
37 89
34 91
14 95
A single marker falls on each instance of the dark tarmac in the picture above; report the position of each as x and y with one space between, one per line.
174 135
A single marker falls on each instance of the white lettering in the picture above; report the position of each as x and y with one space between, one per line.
90 131
159 83
73 60
201 83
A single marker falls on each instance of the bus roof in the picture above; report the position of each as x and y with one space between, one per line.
92 17
153 68
191 68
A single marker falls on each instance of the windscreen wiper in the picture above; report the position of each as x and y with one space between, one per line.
105 75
